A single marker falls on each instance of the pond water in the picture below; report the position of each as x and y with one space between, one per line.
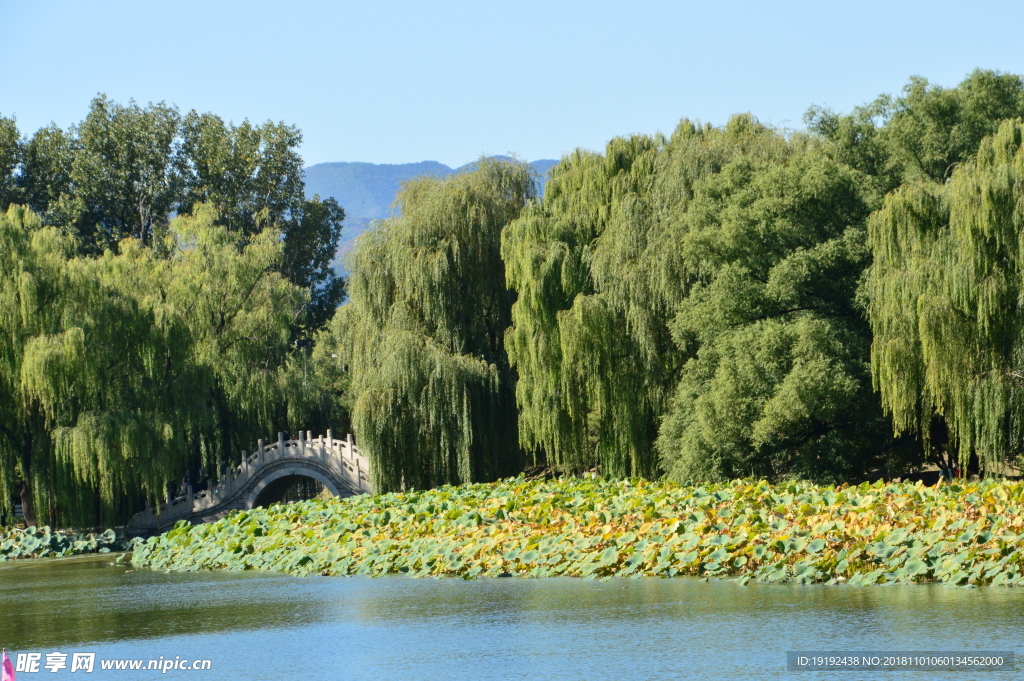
267 626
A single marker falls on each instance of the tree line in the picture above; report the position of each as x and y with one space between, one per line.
720 302
161 280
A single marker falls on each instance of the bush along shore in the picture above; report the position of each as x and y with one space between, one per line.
42 542
958 534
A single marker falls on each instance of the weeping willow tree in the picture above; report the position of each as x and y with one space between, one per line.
599 272
124 372
87 423
116 390
423 333
946 305
33 282
229 292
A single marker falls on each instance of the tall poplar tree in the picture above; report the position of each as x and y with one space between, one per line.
10 159
123 175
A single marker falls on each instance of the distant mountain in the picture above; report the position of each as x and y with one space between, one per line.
367 190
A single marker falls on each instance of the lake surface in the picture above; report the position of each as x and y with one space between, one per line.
266 626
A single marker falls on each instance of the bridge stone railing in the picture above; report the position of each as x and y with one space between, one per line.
346 468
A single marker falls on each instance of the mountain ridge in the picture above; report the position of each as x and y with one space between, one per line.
367 191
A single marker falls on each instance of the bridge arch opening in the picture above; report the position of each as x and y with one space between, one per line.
289 489
290 485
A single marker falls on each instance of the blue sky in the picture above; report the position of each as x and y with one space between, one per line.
395 82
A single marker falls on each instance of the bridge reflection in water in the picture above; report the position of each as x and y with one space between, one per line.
264 477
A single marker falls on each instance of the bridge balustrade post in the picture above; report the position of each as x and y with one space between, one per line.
245 463
280 444
351 446
330 443
302 444
262 456
320 453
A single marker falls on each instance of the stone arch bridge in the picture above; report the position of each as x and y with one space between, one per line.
264 477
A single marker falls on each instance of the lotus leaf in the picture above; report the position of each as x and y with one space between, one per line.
601 528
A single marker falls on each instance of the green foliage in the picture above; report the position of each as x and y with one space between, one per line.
702 305
42 542
311 239
318 383
123 175
931 130
123 372
596 271
423 333
236 308
10 158
945 302
46 164
779 383
33 284
871 534
125 170
926 133
692 305
701 287
250 174
163 348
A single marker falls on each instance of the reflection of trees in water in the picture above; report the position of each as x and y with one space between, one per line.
58 604
583 604
64 602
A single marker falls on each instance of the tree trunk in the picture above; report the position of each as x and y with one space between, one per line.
52 509
28 508
28 502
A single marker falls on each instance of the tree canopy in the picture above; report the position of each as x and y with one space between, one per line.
124 372
696 305
945 303
680 298
431 387
163 280
778 378
126 170
836 303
